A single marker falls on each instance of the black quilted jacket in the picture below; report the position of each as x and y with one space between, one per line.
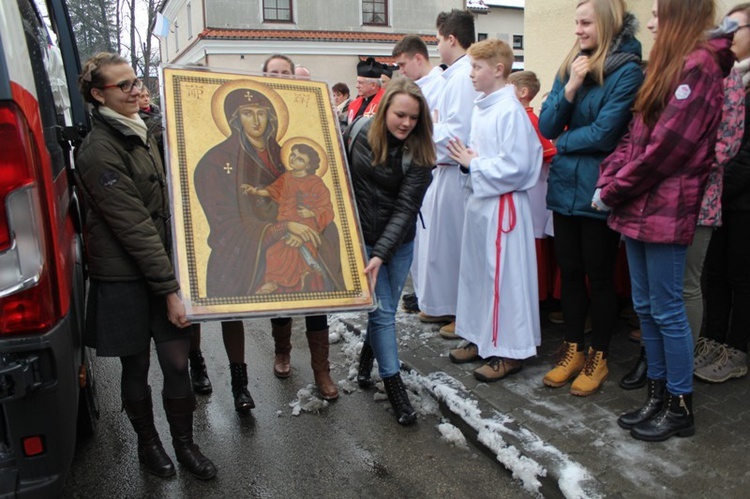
387 199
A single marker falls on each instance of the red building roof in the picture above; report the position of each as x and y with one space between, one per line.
317 36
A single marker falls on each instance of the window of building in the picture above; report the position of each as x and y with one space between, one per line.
518 42
375 12
277 11
481 36
190 20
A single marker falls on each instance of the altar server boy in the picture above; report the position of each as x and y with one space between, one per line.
497 312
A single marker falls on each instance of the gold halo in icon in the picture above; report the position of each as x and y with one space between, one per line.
217 104
286 150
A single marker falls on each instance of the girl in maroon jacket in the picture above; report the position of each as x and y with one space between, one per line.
654 183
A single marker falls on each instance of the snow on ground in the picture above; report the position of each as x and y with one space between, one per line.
425 392
307 401
452 435
629 452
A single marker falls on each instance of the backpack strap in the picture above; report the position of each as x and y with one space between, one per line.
354 129
406 158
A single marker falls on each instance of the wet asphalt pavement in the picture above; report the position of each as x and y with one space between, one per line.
353 448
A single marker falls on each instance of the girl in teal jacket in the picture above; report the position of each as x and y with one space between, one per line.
587 112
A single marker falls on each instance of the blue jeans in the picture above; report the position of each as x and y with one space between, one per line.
381 323
657 272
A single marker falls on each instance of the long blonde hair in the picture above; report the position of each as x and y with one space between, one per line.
608 18
419 141
682 27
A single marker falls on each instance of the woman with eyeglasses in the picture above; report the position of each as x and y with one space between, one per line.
134 295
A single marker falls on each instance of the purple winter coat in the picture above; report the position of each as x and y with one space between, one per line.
655 179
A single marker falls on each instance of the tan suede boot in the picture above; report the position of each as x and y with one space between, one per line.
570 364
593 375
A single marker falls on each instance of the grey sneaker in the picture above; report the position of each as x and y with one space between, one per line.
706 351
730 363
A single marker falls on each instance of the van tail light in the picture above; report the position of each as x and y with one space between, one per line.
27 301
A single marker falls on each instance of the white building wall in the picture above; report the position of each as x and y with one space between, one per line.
334 15
502 23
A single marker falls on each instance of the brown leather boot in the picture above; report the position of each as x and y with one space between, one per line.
282 348
318 341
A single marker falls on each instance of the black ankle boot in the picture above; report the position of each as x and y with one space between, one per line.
243 402
180 417
394 388
198 374
636 378
150 450
657 389
675 418
366 358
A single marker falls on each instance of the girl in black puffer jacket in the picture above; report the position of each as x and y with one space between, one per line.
390 160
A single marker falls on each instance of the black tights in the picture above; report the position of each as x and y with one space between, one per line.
233 334
586 248
173 359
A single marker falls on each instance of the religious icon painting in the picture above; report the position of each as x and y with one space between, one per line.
263 215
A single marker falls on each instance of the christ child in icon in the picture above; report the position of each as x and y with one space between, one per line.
293 264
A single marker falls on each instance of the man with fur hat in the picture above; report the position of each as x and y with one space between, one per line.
369 89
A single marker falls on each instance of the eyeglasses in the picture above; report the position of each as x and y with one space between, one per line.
743 26
126 86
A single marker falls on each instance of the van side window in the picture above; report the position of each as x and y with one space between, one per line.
38 41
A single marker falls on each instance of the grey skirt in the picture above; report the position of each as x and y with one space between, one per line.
122 317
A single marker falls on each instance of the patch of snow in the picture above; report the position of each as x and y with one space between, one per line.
307 401
452 435
347 386
421 399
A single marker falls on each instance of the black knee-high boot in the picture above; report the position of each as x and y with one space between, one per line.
180 416
150 450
